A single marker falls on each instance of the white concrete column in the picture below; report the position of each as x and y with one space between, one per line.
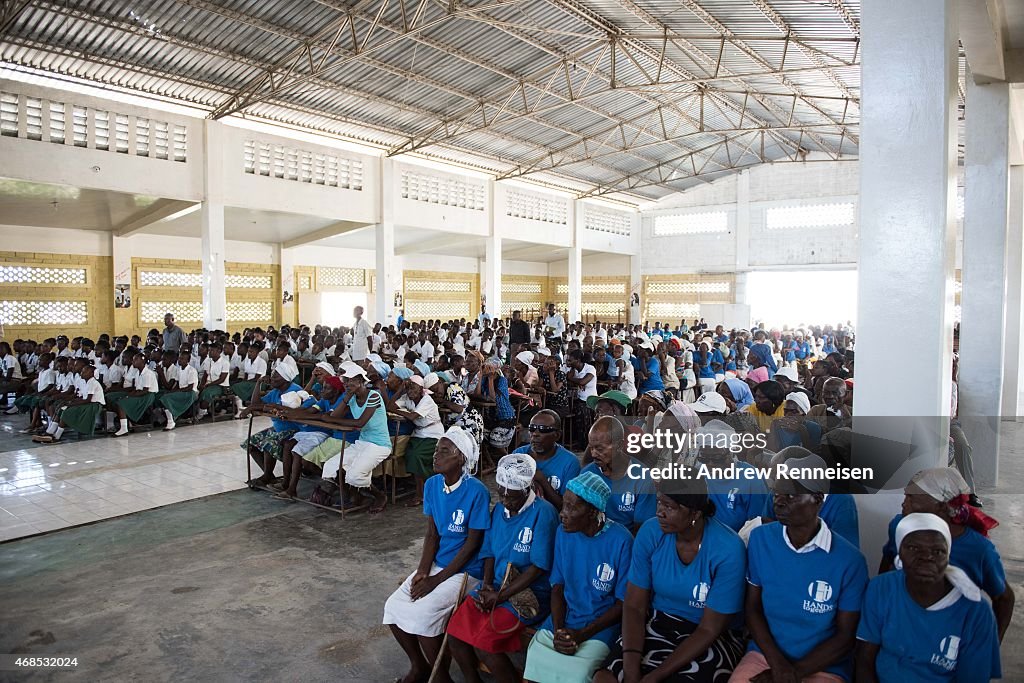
742 221
1013 351
388 276
636 286
212 251
908 159
212 254
492 277
574 277
289 295
907 204
983 300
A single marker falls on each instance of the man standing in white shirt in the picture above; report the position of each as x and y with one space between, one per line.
361 336
484 318
554 328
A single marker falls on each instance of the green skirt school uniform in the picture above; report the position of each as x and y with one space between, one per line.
419 456
177 401
27 402
135 407
82 418
211 392
243 390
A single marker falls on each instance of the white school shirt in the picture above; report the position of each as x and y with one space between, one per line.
170 373
32 363
360 331
426 352
92 388
254 368
129 377
65 381
216 368
265 356
187 377
428 424
66 352
113 375
11 362
46 378
236 363
590 388
146 379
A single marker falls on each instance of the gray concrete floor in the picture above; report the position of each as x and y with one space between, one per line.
241 587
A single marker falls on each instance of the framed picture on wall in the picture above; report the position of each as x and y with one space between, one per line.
122 296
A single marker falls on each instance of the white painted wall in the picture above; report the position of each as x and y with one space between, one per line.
752 246
65 164
56 240
528 230
420 214
594 264
269 193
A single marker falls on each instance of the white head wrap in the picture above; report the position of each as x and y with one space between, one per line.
801 400
467 446
287 371
544 351
923 521
525 357
941 483
350 369
430 380
327 367
515 471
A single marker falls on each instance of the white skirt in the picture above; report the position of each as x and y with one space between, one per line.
429 615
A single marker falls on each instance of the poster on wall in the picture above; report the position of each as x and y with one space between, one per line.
399 300
122 296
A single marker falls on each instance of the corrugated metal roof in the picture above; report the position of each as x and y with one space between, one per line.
514 87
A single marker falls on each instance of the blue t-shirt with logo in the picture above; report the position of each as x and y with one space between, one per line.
467 507
801 593
738 500
972 552
653 381
714 579
957 643
326 408
839 511
273 397
525 539
593 571
560 468
633 500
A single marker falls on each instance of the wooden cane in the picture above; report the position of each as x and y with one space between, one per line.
444 641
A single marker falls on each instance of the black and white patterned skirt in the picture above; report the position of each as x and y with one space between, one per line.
663 634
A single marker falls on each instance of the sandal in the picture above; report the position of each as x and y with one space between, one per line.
373 511
282 495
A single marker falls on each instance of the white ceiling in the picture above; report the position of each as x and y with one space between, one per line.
60 206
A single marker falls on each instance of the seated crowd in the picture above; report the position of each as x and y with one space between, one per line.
587 563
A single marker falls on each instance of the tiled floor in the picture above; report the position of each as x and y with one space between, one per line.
43 488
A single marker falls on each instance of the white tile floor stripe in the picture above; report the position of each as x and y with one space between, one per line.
46 488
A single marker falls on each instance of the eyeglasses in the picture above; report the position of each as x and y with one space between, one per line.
543 429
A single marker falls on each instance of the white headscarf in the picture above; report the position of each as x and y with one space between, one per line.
525 357
515 471
801 400
923 521
467 446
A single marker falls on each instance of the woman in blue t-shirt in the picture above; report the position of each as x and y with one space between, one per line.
458 506
942 491
926 622
804 592
588 584
684 600
518 551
